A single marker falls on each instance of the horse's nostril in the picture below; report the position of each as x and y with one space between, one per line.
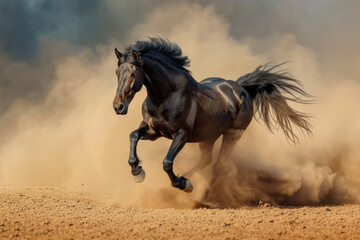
121 107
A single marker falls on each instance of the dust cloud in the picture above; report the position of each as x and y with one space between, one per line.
73 137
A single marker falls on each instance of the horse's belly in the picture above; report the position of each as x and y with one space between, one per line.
209 127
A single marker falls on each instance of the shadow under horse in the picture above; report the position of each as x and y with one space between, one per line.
178 107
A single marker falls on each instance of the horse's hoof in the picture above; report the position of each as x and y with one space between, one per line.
140 177
188 186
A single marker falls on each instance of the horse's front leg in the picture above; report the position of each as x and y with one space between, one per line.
136 170
178 143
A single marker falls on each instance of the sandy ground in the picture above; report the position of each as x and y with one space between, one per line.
64 213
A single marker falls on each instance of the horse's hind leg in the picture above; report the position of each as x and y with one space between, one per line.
230 138
206 149
220 168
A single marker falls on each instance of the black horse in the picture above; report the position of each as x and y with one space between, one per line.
179 108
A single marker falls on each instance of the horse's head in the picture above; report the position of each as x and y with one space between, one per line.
130 77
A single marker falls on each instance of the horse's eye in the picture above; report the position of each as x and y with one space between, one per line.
133 75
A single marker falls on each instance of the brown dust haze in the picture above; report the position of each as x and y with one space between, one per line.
73 136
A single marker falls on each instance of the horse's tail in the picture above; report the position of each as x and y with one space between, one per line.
269 91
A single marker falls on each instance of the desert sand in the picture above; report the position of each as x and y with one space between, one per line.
67 213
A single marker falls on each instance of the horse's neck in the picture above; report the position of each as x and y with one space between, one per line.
158 82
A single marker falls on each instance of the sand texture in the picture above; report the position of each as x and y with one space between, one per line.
65 213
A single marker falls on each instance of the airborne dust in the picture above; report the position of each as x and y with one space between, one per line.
73 137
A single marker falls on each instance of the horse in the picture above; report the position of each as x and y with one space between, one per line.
183 110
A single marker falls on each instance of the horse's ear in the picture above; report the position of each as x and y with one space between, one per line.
118 54
135 55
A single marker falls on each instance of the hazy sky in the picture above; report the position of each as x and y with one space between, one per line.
89 22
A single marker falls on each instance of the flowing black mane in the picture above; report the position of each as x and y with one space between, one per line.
161 50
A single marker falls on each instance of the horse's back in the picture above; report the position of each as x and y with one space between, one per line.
222 88
211 80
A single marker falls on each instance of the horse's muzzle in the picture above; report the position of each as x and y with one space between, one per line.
121 109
